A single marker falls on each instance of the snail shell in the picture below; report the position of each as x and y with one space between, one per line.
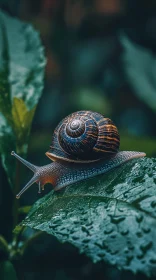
84 136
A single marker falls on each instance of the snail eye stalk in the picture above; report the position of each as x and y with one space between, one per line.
25 162
34 179
27 186
42 174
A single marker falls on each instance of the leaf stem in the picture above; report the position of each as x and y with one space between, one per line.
16 190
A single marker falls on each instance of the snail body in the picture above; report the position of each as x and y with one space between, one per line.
84 144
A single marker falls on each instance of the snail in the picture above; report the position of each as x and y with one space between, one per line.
84 144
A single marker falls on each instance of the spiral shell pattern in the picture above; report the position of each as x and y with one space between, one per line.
84 136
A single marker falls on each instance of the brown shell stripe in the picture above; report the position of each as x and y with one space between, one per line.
108 139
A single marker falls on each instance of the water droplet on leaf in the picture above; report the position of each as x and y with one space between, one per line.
145 246
153 260
153 204
124 231
117 219
108 230
139 218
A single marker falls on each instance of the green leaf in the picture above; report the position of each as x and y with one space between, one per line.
18 229
3 245
110 217
22 64
24 209
22 119
25 59
7 143
137 62
7 271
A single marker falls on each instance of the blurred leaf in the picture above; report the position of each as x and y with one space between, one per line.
3 245
140 68
110 217
22 119
5 98
7 271
24 209
22 64
18 230
91 99
148 145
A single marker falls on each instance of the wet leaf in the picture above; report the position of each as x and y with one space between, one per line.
24 58
110 217
22 65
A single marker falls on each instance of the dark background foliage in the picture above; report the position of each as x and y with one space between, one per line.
92 49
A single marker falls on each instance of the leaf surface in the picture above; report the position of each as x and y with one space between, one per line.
110 217
22 65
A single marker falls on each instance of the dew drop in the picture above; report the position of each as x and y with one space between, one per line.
131 247
99 245
139 234
84 218
39 215
146 246
101 255
86 240
124 231
140 256
72 230
117 219
105 245
108 230
153 204
126 251
76 222
115 252
53 226
120 209
139 218
63 233
89 224
75 237
113 235
146 229
84 229
153 260
63 228
81 209
129 259
56 220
